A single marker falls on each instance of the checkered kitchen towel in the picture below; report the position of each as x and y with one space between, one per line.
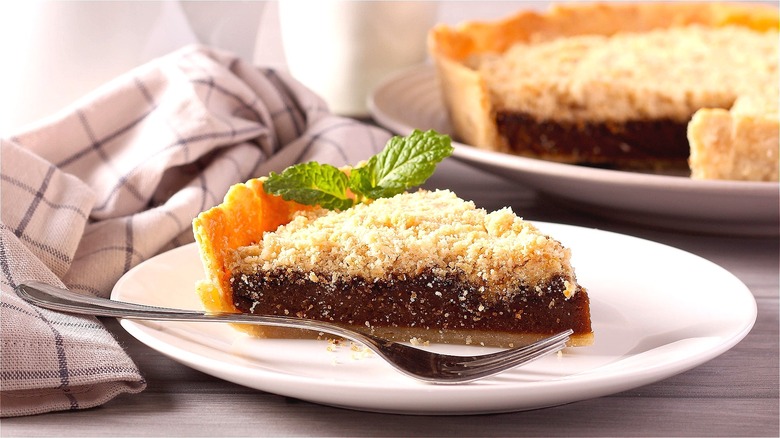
117 178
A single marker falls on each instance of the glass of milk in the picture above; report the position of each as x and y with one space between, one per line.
342 49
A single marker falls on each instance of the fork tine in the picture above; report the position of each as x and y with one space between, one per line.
464 374
469 370
504 355
518 360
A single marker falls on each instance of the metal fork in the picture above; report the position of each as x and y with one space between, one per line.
415 362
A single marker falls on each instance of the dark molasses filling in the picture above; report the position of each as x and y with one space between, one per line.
424 301
641 144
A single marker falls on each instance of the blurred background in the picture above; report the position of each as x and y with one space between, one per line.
57 51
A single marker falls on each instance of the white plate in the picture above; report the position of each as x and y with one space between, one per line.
656 311
411 100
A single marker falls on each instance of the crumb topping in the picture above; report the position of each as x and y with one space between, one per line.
412 233
669 73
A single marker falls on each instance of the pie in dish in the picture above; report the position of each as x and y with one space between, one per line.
421 266
652 86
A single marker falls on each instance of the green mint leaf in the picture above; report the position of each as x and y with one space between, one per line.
405 162
311 183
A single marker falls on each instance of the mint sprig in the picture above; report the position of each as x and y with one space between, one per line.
311 184
405 162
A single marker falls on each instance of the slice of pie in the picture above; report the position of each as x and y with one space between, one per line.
424 266
639 85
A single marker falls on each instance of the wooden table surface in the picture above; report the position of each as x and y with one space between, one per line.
735 394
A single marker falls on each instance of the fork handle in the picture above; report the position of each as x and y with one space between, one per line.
56 298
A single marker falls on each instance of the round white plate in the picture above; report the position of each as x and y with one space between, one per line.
411 100
656 311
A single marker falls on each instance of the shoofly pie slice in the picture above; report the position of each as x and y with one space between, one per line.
424 266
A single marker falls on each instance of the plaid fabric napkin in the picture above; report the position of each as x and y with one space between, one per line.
116 179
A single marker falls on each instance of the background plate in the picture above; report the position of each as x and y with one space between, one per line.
656 311
411 100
